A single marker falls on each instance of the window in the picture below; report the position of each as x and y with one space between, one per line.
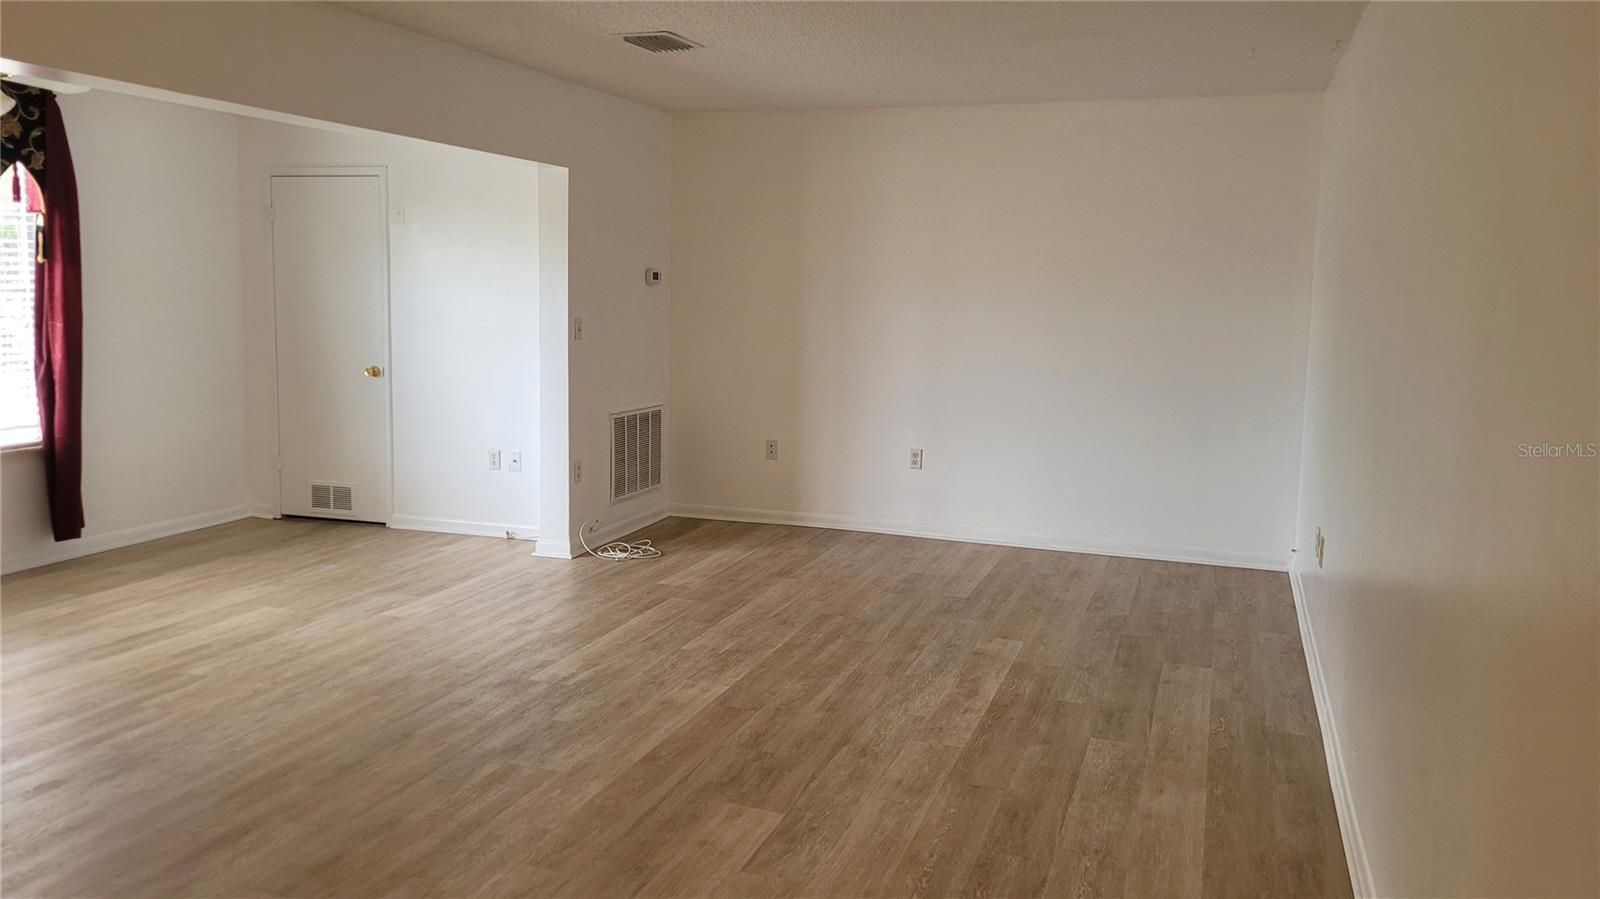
19 401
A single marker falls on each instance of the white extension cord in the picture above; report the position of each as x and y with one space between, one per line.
618 550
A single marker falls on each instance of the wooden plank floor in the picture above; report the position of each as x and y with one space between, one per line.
309 709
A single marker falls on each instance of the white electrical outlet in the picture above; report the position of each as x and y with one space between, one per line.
772 450
577 472
916 459
494 460
514 460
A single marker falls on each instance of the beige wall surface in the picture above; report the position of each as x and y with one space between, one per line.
1453 333
1090 316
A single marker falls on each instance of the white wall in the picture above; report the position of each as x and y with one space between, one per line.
163 426
1454 319
464 321
326 63
1090 316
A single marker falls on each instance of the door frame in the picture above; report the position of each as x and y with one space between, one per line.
332 171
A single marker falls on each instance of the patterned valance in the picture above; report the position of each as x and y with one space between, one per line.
22 129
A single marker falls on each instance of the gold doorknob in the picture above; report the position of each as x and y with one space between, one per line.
372 371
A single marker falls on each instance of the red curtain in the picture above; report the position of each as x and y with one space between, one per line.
58 334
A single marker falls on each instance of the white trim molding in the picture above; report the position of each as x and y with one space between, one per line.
467 528
99 543
552 549
549 549
1355 849
264 510
609 532
903 528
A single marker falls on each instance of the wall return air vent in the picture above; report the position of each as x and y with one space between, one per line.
333 497
635 452
660 41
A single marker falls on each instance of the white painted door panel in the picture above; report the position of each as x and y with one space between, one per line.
330 288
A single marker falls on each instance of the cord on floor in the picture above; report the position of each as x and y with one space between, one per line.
618 550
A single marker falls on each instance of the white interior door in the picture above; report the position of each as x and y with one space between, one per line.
330 287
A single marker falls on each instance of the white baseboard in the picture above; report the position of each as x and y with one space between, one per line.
1355 849
608 532
264 510
552 549
1197 555
468 528
99 543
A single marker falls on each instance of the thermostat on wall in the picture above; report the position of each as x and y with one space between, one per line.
652 276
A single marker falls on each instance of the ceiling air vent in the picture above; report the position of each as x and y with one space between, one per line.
333 497
660 41
635 452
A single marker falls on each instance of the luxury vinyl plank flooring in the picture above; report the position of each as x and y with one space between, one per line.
310 709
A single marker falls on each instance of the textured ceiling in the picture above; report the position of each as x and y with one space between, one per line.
808 55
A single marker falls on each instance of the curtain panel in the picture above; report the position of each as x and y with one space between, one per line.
33 136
